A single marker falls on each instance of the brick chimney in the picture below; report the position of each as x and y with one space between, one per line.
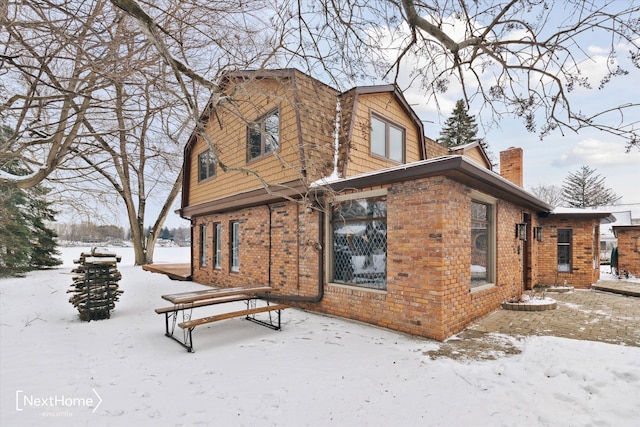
511 165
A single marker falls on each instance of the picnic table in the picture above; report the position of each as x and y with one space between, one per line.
185 302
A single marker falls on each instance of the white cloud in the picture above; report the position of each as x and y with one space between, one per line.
595 152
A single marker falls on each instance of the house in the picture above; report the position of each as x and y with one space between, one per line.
628 249
625 215
340 203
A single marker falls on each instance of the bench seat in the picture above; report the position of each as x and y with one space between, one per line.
190 324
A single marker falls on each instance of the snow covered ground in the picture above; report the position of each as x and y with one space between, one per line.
317 371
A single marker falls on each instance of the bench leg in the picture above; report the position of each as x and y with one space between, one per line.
187 338
269 324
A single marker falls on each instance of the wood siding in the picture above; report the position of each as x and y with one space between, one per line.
477 156
307 114
358 118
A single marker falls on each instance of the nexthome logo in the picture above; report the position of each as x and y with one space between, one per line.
56 402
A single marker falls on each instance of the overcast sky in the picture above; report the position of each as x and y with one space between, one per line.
547 161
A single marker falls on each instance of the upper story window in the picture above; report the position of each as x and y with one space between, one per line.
206 165
387 139
263 136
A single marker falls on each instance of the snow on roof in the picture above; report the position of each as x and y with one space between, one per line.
633 208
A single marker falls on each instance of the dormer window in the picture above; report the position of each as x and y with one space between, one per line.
387 139
263 136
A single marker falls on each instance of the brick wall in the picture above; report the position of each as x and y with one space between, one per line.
511 165
428 259
629 249
291 265
585 264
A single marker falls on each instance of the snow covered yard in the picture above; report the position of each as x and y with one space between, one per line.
317 371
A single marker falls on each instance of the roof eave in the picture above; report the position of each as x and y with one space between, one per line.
455 167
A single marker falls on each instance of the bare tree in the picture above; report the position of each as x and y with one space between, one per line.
523 58
118 108
49 68
551 194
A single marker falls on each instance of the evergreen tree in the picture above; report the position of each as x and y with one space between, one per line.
25 240
15 246
43 243
460 128
583 188
165 233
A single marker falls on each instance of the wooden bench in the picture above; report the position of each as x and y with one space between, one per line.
185 302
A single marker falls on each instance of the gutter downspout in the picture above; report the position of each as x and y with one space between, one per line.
191 233
299 298
270 247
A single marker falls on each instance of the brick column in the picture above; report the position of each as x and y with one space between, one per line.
511 165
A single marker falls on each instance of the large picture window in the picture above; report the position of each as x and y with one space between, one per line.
206 165
387 139
565 236
235 246
263 136
482 243
359 234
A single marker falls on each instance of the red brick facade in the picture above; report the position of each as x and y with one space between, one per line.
511 165
585 253
428 259
628 248
430 240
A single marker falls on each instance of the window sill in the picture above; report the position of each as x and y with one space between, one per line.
261 156
387 159
482 288
209 178
358 288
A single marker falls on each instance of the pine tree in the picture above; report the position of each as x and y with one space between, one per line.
43 243
583 188
25 240
460 128
15 246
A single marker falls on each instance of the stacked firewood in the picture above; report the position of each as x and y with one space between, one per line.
95 284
